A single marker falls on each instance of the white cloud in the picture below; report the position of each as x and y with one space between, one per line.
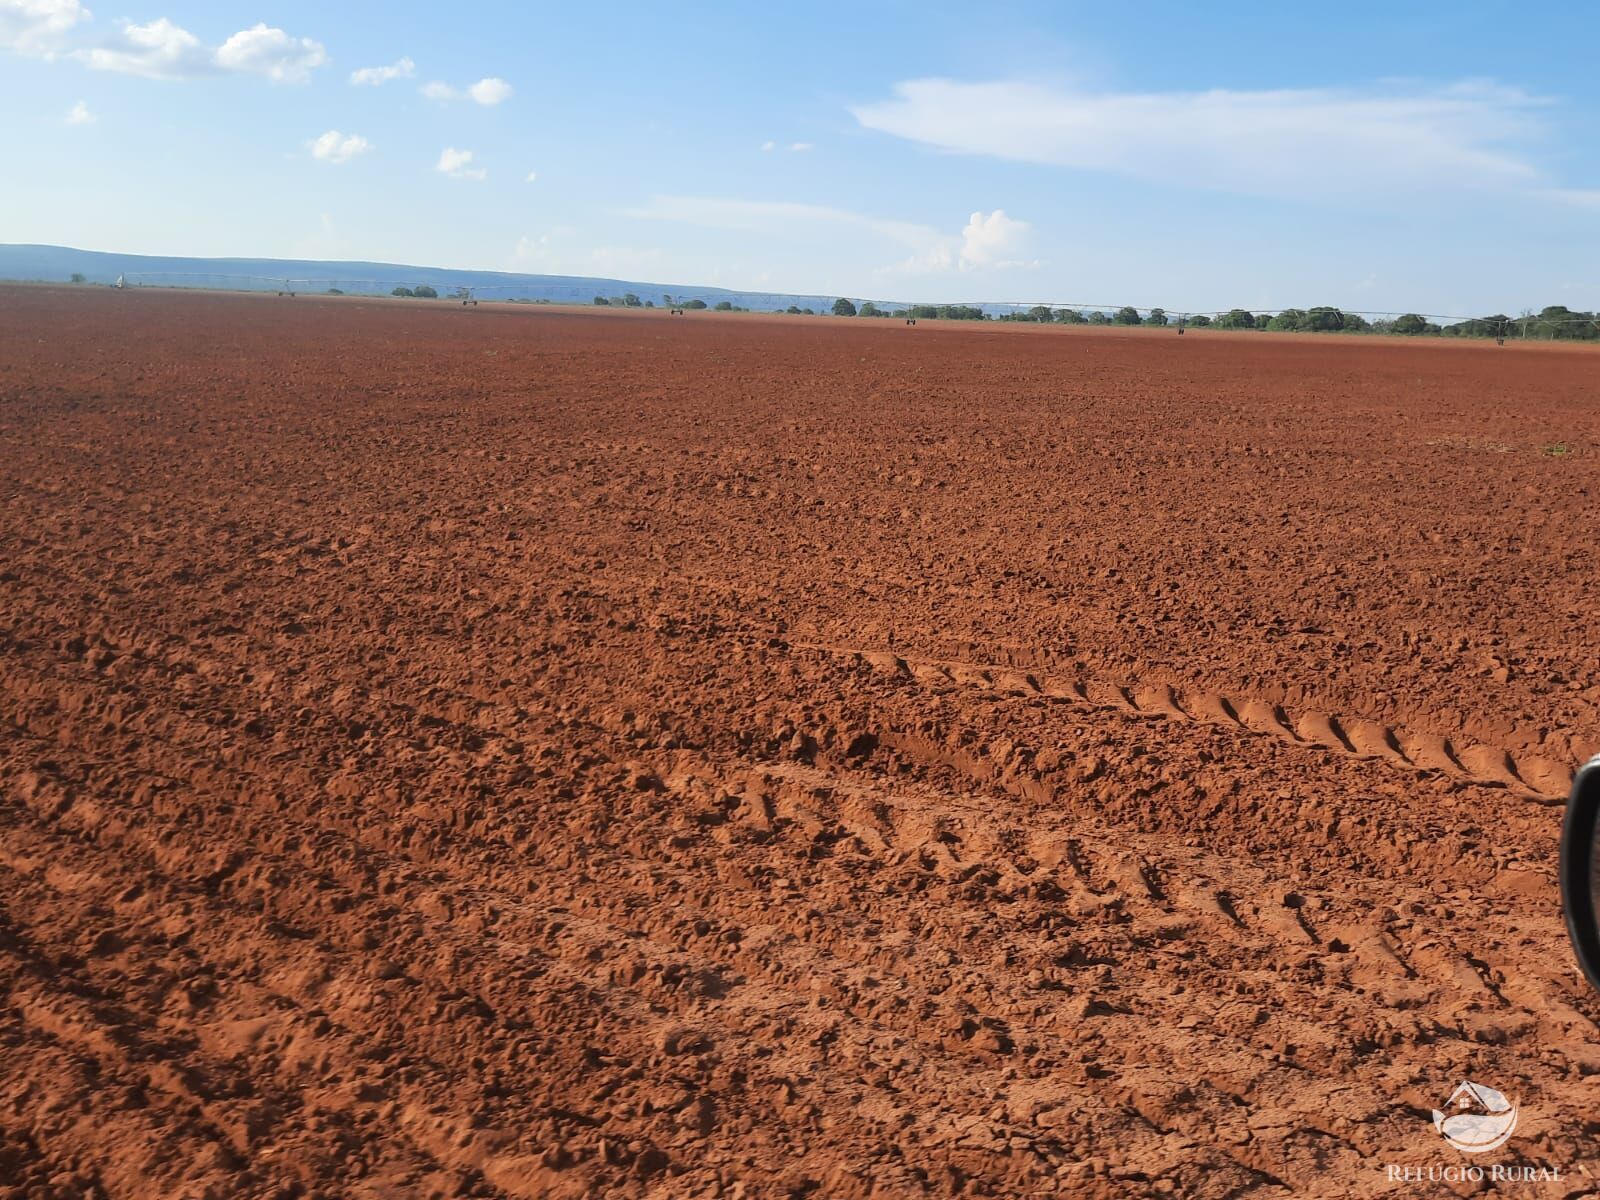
263 50
769 146
1285 142
376 76
338 148
533 177
159 50
487 92
163 50
987 243
80 114
458 165
37 27
801 147
987 240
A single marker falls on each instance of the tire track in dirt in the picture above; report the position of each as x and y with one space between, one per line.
1539 779
1075 902
449 1150
1099 899
246 826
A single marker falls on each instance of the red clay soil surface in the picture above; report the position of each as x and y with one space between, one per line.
518 752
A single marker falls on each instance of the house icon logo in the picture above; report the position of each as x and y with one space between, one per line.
1482 1118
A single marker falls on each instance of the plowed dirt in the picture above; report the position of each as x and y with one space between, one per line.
500 752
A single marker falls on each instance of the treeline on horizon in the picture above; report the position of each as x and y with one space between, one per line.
1554 322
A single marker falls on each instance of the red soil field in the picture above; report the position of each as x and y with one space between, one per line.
516 752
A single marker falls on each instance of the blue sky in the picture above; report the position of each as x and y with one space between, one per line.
1436 157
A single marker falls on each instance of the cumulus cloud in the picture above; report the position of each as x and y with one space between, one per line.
263 50
800 147
988 240
163 50
458 165
533 177
376 76
80 114
37 27
159 50
1282 142
487 92
490 92
338 148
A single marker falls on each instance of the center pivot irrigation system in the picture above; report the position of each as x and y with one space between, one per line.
1499 327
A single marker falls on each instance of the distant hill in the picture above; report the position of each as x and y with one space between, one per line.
57 264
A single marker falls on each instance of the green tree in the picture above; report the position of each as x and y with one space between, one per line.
1237 318
1158 316
402 291
693 304
424 292
77 277
794 309
869 309
724 306
1410 325
630 301
1200 321
1559 321
1127 315
602 302
1041 313
843 308
1099 318
1323 320
1069 316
